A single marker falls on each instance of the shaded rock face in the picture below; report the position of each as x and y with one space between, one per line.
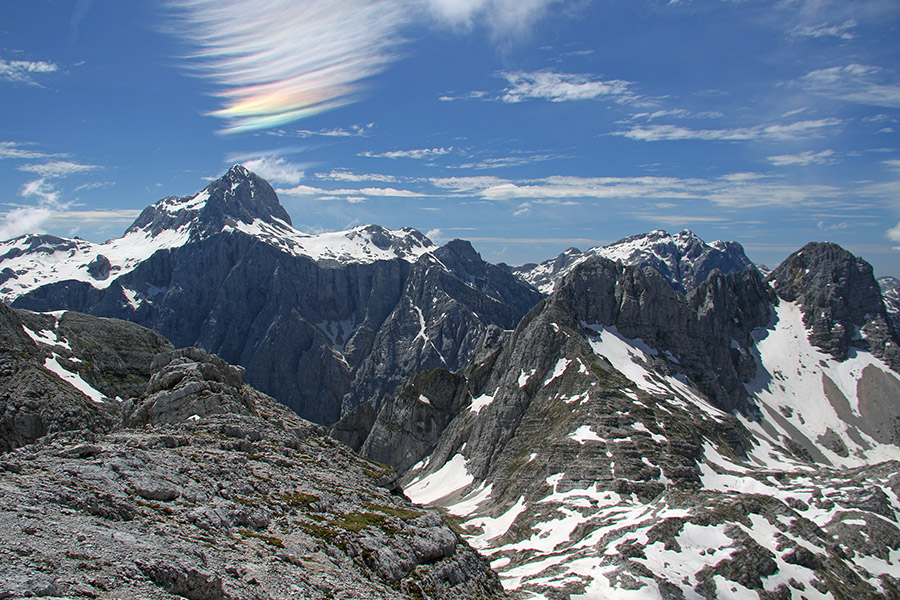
111 356
707 331
442 317
241 499
842 303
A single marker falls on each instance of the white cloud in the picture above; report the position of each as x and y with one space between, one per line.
276 169
341 175
352 131
893 234
677 113
23 71
436 236
20 221
825 157
14 150
45 192
31 219
564 87
57 168
893 163
792 131
277 61
842 31
356 193
861 84
417 154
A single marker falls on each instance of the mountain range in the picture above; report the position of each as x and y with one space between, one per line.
320 322
656 418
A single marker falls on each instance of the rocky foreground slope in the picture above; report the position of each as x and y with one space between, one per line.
629 440
199 487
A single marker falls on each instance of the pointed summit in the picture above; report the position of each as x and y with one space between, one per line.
238 196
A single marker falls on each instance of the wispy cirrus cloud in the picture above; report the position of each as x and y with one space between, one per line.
352 131
777 132
825 157
844 31
734 190
16 150
860 84
24 71
354 195
676 113
57 168
276 61
344 175
565 87
418 153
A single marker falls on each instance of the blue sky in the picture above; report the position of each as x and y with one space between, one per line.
525 126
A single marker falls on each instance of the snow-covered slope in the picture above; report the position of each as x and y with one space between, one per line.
586 463
230 204
683 258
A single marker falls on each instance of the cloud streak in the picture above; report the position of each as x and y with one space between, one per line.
57 168
792 131
23 71
844 31
276 61
565 87
418 153
860 84
825 157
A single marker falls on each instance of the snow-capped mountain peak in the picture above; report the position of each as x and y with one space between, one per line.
238 203
683 258
239 196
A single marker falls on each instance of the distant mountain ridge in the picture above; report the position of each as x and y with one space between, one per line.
683 259
311 317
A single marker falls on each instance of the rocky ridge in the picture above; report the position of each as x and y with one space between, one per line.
584 456
204 488
683 259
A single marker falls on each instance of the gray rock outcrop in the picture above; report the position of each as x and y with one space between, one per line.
842 302
209 489
112 356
